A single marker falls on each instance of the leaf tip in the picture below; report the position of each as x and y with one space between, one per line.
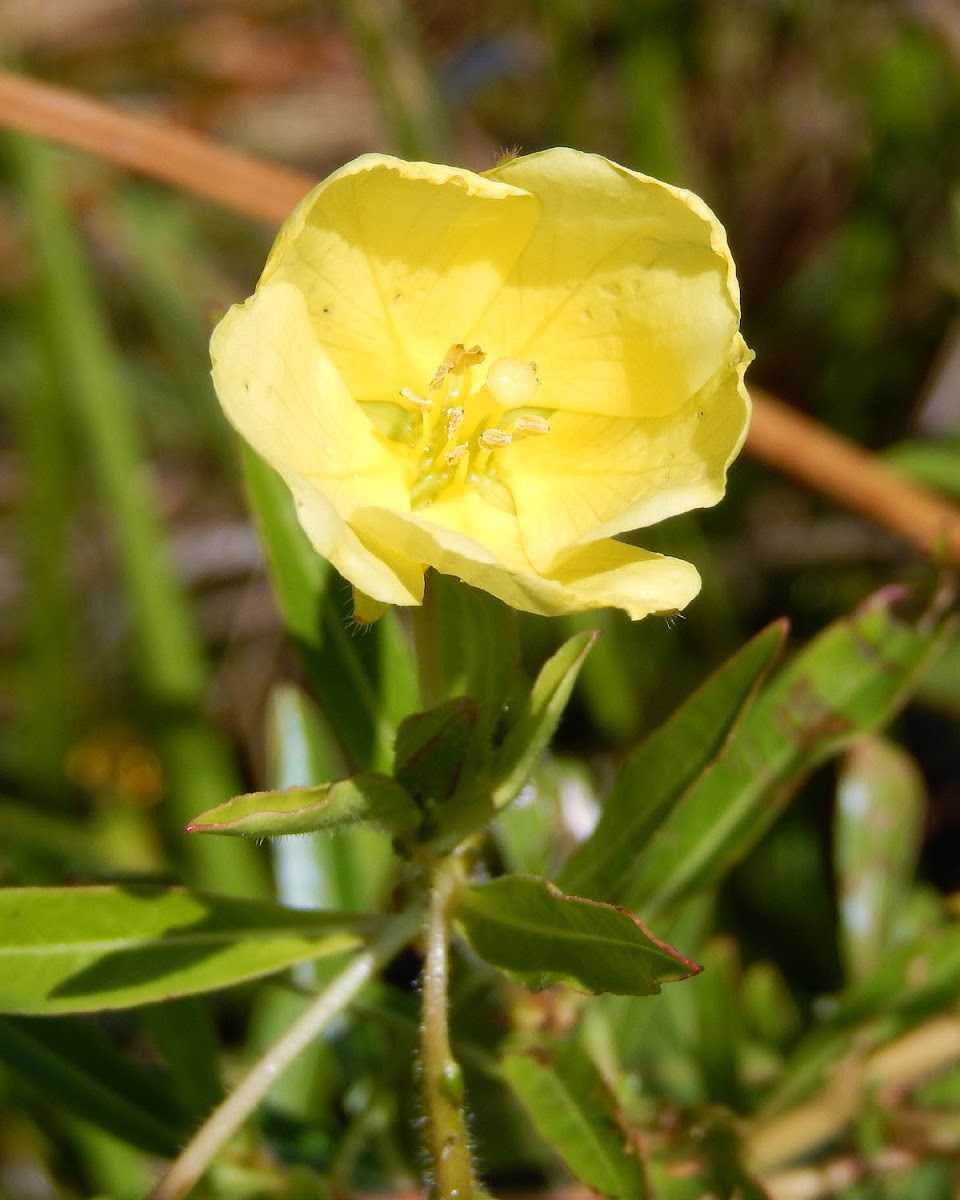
199 827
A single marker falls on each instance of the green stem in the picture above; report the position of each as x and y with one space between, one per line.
442 1079
225 1120
427 646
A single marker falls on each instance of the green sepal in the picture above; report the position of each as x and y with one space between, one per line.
364 799
538 936
515 759
434 747
477 647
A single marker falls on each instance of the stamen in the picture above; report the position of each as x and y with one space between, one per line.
458 358
531 426
494 439
508 397
420 401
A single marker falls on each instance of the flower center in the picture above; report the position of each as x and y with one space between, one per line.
465 424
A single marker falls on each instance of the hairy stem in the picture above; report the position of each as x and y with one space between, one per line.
442 1078
200 1151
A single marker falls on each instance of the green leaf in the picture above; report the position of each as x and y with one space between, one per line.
432 748
574 1110
934 463
299 575
539 936
372 799
940 686
719 1024
848 680
71 1060
531 732
348 868
877 830
667 763
184 1032
75 950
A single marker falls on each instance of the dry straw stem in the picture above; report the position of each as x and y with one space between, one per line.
886 1075
779 436
155 148
785 439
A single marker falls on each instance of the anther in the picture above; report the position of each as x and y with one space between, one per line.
453 456
457 359
494 439
531 426
454 419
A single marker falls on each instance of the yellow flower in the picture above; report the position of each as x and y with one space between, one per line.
494 375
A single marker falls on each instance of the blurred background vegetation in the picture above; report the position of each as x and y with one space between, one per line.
141 647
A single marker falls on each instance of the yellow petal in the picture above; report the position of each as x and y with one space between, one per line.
396 261
625 294
383 573
282 393
593 476
619 288
603 574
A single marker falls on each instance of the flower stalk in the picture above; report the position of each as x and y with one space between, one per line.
442 1078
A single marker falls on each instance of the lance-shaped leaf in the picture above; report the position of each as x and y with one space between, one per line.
372 799
663 766
531 732
539 936
849 680
73 1061
877 831
573 1109
66 950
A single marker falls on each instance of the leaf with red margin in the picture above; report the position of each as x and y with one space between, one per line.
529 929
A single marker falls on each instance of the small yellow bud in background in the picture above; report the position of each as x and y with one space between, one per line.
367 611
